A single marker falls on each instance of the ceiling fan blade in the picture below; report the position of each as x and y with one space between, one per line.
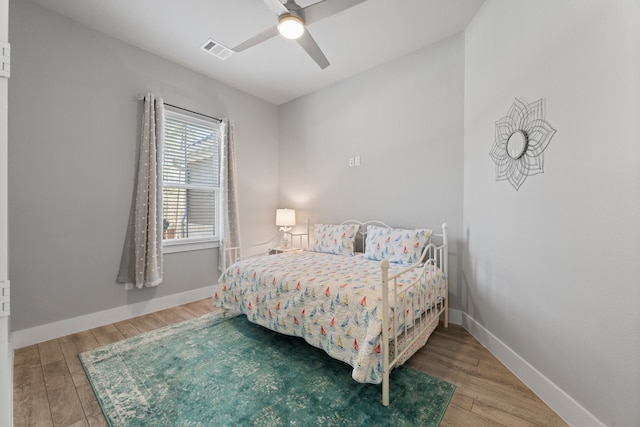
323 9
309 44
276 7
258 38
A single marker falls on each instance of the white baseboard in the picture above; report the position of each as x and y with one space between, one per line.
38 334
563 404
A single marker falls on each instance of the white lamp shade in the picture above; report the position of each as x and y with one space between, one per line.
285 217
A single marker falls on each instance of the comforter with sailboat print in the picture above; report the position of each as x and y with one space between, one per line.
332 301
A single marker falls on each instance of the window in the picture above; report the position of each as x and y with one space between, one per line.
190 178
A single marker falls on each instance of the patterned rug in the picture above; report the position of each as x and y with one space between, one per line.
212 371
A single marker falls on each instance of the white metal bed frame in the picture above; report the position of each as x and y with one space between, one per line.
235 253
432 278
416 333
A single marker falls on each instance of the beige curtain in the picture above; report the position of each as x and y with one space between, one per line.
141 263
230 215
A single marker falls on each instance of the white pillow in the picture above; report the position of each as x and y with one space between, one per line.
395 244
334 239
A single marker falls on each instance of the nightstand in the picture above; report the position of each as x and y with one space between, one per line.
282 250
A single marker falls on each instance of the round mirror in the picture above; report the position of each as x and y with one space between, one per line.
517 144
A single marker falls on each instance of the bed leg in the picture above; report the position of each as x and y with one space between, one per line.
385 388
446 313
384 267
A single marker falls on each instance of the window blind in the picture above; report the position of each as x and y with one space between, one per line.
191 177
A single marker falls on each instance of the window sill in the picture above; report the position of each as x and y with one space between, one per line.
170 247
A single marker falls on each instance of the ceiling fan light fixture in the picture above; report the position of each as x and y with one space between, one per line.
290 26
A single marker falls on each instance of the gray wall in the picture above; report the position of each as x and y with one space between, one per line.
552 269
405 120
73 133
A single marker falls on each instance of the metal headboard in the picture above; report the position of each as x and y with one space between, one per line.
432 250
361 235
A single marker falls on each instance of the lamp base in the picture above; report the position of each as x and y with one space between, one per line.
284 243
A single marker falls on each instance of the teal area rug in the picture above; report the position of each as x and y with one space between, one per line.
212 371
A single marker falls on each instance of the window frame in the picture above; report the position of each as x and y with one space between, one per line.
197 243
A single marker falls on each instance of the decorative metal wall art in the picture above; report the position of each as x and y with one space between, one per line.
521 138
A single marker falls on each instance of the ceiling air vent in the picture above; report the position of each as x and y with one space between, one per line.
216 49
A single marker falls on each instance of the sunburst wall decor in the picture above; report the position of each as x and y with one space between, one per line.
521 138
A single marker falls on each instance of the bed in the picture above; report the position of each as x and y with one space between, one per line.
367 294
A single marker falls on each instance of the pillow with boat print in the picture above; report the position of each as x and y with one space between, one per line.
396 244
334 239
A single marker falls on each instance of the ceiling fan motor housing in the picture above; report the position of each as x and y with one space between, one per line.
294 8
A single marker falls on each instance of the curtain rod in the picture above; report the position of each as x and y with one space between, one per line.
141 98
193 112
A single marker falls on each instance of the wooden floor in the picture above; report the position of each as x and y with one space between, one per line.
51 389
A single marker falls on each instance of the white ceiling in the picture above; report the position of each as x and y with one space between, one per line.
278 70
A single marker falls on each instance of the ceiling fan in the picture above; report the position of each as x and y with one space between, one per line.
292 22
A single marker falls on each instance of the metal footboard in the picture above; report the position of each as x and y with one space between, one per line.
431 291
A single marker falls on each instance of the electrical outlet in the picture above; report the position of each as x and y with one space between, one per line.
357 160
351 162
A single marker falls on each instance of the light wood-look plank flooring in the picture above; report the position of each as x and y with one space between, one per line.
51 388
